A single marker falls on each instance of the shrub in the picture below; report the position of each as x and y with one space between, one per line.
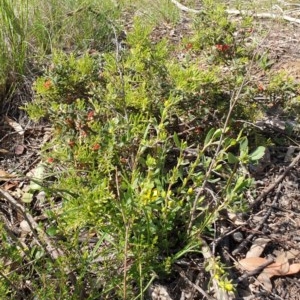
145 172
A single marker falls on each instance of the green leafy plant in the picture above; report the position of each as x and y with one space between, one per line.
124 160
147 150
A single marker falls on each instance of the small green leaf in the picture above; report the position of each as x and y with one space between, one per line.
27 197
209 136
217 133
213 180
232 159
241 183
39 254
258 153
176 140
244 146
52 231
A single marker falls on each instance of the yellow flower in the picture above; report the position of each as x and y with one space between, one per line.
190 191
229 286
155 193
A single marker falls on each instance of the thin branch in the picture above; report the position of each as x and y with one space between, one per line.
185 8
246 241
240 12
196 287
270 188
233 102
39 234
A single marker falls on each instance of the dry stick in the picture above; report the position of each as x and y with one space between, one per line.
196 287
266 191
39 235
240 12
262 196
244 243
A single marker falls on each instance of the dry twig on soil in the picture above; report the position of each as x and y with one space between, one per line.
241 12
276 182
245 242
39 235
196 287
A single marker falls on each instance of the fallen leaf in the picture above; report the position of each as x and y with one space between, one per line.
294 269
4 152
252 263
19 149
280 267
4 176
257 247
277 269
27 197
41 196
37 175
16 126
291 254
235 219
265 280
24 226
10 185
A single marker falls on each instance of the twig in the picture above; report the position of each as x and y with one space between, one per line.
262 15
269 189
185 8
240 12
233 102
40 236
126 225
259 226
196 287
224 235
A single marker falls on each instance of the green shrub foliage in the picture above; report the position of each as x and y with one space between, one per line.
144 153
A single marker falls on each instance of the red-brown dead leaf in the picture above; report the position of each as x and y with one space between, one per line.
10 185
294 269
4 176
252 263
280 267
